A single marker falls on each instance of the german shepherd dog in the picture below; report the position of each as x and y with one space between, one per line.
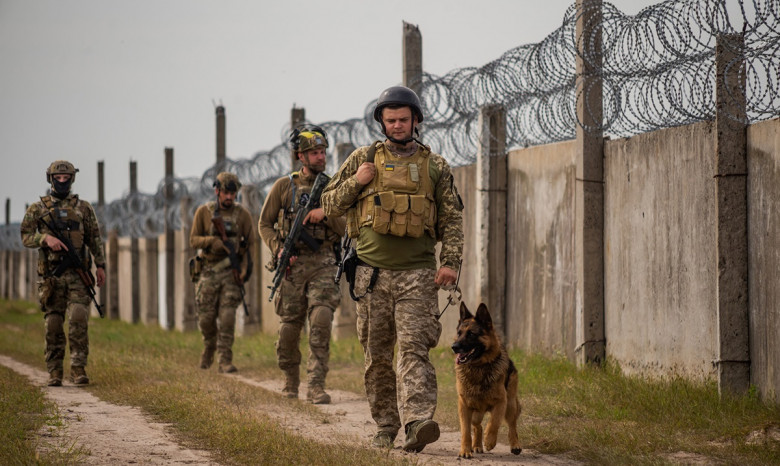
486 381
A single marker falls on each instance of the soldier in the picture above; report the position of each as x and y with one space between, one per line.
309 289
217 293
400 199
60 287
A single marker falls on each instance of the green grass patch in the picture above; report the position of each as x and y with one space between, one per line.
595 415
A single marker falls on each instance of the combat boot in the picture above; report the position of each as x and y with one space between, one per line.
291 381
419 434
316 395
227 368
55 378
206 358
78 375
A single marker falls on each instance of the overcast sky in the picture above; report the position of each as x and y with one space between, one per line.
90 80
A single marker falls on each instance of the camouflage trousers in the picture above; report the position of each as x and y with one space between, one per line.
402 308
217 297
61 296
308 292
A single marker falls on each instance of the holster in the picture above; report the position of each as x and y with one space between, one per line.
196 267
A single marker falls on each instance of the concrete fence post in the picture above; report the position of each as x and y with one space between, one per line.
112 275
589 191
186 314
345 317
412 57
733 364
251 324
491 184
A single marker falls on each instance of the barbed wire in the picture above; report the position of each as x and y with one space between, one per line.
657 70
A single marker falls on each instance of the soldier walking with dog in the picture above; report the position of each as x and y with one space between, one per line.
65 230
400 200
215 271
308 290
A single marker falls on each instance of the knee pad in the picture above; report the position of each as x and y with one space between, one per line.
321 316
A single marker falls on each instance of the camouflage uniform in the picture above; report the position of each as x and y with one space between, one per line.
217 295
403 306
65 294
308 290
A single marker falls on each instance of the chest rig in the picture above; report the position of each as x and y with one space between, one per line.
399 200
298 189
66 217
232 229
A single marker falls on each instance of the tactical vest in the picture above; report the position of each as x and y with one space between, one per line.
68 219
286 217
232 229
399 200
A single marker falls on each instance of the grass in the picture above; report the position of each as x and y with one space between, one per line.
594 415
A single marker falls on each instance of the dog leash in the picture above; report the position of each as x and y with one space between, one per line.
455 295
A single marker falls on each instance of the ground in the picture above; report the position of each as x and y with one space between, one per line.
113 434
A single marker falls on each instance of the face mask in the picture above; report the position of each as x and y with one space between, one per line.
61 189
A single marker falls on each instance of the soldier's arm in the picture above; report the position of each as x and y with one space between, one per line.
344 188
93 239
31 236
198 235
269 214
450 217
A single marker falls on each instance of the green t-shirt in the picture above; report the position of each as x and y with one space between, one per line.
396 252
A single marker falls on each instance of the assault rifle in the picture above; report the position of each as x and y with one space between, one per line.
297 233
72 260
235 262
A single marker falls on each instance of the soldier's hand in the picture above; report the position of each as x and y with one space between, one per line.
445 276
314 216
365 173
292 258
100 276
216 244
54 244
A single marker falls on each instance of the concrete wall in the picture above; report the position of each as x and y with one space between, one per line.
125 282
540 249
661 271
764 256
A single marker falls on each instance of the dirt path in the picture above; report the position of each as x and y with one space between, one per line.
109 433
115 434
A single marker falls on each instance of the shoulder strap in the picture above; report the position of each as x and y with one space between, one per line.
371 152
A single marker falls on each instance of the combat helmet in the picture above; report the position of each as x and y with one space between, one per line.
227 181
308 138
398 95
61 167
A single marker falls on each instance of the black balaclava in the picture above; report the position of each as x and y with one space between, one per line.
60 189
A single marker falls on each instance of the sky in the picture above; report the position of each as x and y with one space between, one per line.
119 81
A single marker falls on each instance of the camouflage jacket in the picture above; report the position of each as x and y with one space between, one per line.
33 232
343 190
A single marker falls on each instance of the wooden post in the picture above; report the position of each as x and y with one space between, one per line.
134 251
101 205
589 190
170 260
221 136
297 117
